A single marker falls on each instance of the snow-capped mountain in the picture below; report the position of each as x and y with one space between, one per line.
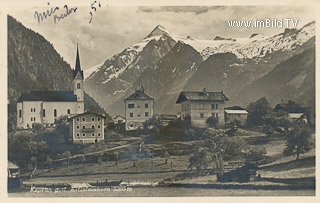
165 64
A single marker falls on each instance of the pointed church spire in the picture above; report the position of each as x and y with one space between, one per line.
78 66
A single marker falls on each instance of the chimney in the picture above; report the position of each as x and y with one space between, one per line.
142 89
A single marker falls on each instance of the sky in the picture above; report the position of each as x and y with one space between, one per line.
113 28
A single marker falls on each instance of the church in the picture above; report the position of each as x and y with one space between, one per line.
46 106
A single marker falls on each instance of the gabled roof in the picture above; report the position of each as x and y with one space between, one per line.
117 116
88 113
48 96
290 107
201 96
234 108
12 165
139 95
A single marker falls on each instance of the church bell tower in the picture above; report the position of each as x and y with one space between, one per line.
78 85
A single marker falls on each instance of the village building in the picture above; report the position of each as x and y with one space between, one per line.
199 106
165 119
294 111
45 107
235 113
118 119
246 173
138 109
87 127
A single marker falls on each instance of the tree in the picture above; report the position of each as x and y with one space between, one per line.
258 112
200 159
62 128
67 155
49 162
33 163
299 140
38 128
212 121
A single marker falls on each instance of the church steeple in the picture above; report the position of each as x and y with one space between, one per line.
78 84
77 66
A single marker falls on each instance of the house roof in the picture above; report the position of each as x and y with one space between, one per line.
168 117
12 165
234 108
290 107
139 95
48 96
201 96
88 113
236 111
117 116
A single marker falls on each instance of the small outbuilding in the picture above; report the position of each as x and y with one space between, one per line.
246 173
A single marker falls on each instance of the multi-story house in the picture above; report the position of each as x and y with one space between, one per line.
87 127
138 109
199 106
233 113
46 106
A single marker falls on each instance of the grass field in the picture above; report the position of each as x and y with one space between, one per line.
281 176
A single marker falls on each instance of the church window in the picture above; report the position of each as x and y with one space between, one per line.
99 134
31 109
20 112
130 106
78 86
34 109
78 119
98 118
31 119
44 113
55 112
68 111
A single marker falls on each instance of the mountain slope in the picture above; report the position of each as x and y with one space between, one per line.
33 64
225 64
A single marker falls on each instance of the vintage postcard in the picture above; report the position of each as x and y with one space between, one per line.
150 99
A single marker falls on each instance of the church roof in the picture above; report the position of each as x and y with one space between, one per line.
77 66
139 95
48 96
88 113
201 96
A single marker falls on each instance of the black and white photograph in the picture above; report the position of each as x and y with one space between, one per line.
163 100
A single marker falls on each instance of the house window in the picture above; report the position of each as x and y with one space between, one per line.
201 115
201 106
34 109
138 105
146 114
31 109
83 134
34 118
131 125
216 106
20 112
78 134
138 114
92 126
31 119
99 134
212 106
130 106
78 119
27 125
78 127
98 118
213 115
131 115
146 105
83 119
92 119
78 86
217 116
55 112
92 134
68 111
44 113
83 127
99 126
